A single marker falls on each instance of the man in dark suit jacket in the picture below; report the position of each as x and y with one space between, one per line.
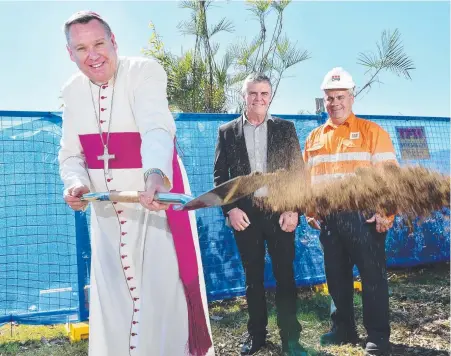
258 142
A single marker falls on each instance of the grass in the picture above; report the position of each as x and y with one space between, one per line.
420 320
41 340
229 323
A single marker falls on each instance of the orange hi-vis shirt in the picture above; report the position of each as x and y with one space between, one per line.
336 151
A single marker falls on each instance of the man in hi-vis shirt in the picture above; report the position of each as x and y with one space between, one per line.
334 150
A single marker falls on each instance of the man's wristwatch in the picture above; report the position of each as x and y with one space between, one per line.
154 171
166 181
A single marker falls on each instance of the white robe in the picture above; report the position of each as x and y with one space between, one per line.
137 301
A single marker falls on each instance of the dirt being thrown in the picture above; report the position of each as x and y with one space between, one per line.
389 189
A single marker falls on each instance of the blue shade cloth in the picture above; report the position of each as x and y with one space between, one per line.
44 246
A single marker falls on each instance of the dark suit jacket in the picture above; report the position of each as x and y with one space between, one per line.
232 160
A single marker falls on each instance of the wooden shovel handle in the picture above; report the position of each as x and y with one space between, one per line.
125 196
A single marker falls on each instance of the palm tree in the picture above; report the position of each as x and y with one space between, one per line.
390 56
271 55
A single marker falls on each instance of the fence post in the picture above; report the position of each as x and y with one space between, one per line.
83 248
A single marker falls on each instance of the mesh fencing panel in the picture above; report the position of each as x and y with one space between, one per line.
429 242
42 261
38 265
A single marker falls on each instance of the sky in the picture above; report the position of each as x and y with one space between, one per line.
34 63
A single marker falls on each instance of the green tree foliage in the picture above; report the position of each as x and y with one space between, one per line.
390 56
199 82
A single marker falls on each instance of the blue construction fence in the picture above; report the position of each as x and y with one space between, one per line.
45 247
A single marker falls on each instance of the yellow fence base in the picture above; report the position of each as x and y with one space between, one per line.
322 288
77 331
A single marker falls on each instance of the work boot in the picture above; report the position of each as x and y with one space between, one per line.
377 347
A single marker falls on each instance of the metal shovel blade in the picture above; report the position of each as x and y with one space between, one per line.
226 193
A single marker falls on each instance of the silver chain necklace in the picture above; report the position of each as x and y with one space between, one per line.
105 157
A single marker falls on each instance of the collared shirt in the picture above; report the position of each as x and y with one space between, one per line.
257 143
334 151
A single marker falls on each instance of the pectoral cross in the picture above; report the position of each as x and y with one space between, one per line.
105 158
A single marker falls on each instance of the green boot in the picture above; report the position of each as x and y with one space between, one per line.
293 348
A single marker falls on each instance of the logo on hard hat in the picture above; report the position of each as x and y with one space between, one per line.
335 78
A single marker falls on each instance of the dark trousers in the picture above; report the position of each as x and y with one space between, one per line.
347 240
251 245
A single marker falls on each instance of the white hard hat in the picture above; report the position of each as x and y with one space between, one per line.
337 78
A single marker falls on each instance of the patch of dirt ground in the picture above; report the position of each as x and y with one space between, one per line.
420 317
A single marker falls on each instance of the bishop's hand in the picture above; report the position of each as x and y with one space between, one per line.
154 184
72 197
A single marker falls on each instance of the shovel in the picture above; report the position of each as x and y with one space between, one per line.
225 193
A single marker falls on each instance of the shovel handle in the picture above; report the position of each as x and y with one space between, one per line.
125 196
133 197
173 198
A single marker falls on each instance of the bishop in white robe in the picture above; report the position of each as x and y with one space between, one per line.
146 288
